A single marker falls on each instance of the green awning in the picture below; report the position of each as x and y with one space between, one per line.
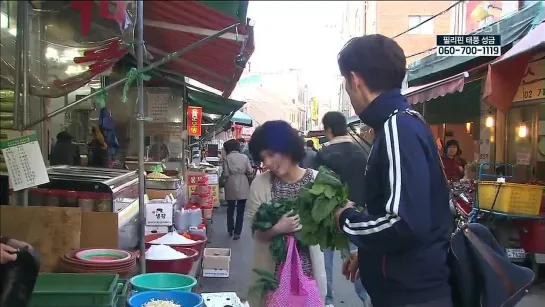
455 108
237 9
212 103
511 28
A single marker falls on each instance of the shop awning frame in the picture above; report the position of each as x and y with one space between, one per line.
169 25
534 40
507 72
123 80
426 92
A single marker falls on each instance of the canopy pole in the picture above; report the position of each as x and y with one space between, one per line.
141 135
20 198
122 81
185 103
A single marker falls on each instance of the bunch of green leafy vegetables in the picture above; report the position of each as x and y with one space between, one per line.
266 282
316 206
267 216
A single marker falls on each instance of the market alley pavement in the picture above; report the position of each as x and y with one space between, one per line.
241 268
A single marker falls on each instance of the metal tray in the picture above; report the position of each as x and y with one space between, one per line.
164 184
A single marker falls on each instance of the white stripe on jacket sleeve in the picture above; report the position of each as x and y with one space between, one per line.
394 178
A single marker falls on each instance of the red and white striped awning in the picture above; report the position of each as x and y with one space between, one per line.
425 92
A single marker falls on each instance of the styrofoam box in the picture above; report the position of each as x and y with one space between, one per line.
221 299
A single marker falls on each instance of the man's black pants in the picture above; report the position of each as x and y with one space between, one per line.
240 206
444 302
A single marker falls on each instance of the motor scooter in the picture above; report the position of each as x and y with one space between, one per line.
522 237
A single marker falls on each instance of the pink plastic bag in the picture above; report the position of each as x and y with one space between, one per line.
295 289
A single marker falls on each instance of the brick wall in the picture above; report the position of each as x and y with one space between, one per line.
392 18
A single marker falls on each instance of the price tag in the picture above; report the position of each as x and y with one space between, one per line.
24 161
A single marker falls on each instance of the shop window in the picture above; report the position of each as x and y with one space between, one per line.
523 131
540 166
425 28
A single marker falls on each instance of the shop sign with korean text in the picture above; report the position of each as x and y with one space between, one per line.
532 86
194 121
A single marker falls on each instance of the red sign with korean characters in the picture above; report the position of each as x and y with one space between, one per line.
194 121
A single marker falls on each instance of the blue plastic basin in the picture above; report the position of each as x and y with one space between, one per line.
182 298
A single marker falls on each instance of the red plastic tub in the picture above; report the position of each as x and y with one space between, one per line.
180 266
200 240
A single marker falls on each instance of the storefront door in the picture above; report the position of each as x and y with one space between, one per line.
525 126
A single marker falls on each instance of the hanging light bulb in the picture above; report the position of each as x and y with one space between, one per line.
489 122
522 131
468 128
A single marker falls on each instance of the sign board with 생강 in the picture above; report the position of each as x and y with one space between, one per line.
194 121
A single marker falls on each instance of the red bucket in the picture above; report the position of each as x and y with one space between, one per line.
200 240
179 266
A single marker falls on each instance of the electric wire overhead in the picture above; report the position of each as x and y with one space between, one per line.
423 22
432 17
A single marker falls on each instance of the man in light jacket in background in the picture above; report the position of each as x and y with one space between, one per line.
347 159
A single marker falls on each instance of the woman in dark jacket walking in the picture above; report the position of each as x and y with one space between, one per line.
64 152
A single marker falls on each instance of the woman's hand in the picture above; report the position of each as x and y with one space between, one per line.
288 223
7 253
461 169
19 244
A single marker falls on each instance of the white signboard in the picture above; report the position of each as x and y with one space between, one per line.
24 161
158 107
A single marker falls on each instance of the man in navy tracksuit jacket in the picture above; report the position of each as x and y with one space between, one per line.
403 239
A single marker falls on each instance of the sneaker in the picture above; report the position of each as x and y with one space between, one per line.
230 233
236 237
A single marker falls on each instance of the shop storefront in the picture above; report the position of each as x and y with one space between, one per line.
525 124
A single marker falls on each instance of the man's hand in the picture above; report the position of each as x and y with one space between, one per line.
351 267
7 253
339 211
19 244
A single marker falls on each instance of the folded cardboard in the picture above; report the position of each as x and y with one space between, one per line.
216 262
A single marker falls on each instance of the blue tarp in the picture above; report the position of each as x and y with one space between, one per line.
242 119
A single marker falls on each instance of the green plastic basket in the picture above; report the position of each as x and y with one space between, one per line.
75 290
162 282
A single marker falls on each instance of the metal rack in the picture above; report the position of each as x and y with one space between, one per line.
21 121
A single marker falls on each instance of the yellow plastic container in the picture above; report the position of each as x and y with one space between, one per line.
513 198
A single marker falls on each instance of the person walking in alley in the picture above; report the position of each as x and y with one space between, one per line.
404 236
347 159
237 173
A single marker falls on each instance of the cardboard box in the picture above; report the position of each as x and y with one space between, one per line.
156 229
216 262
159 214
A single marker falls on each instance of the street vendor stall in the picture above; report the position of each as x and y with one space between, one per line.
58 180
